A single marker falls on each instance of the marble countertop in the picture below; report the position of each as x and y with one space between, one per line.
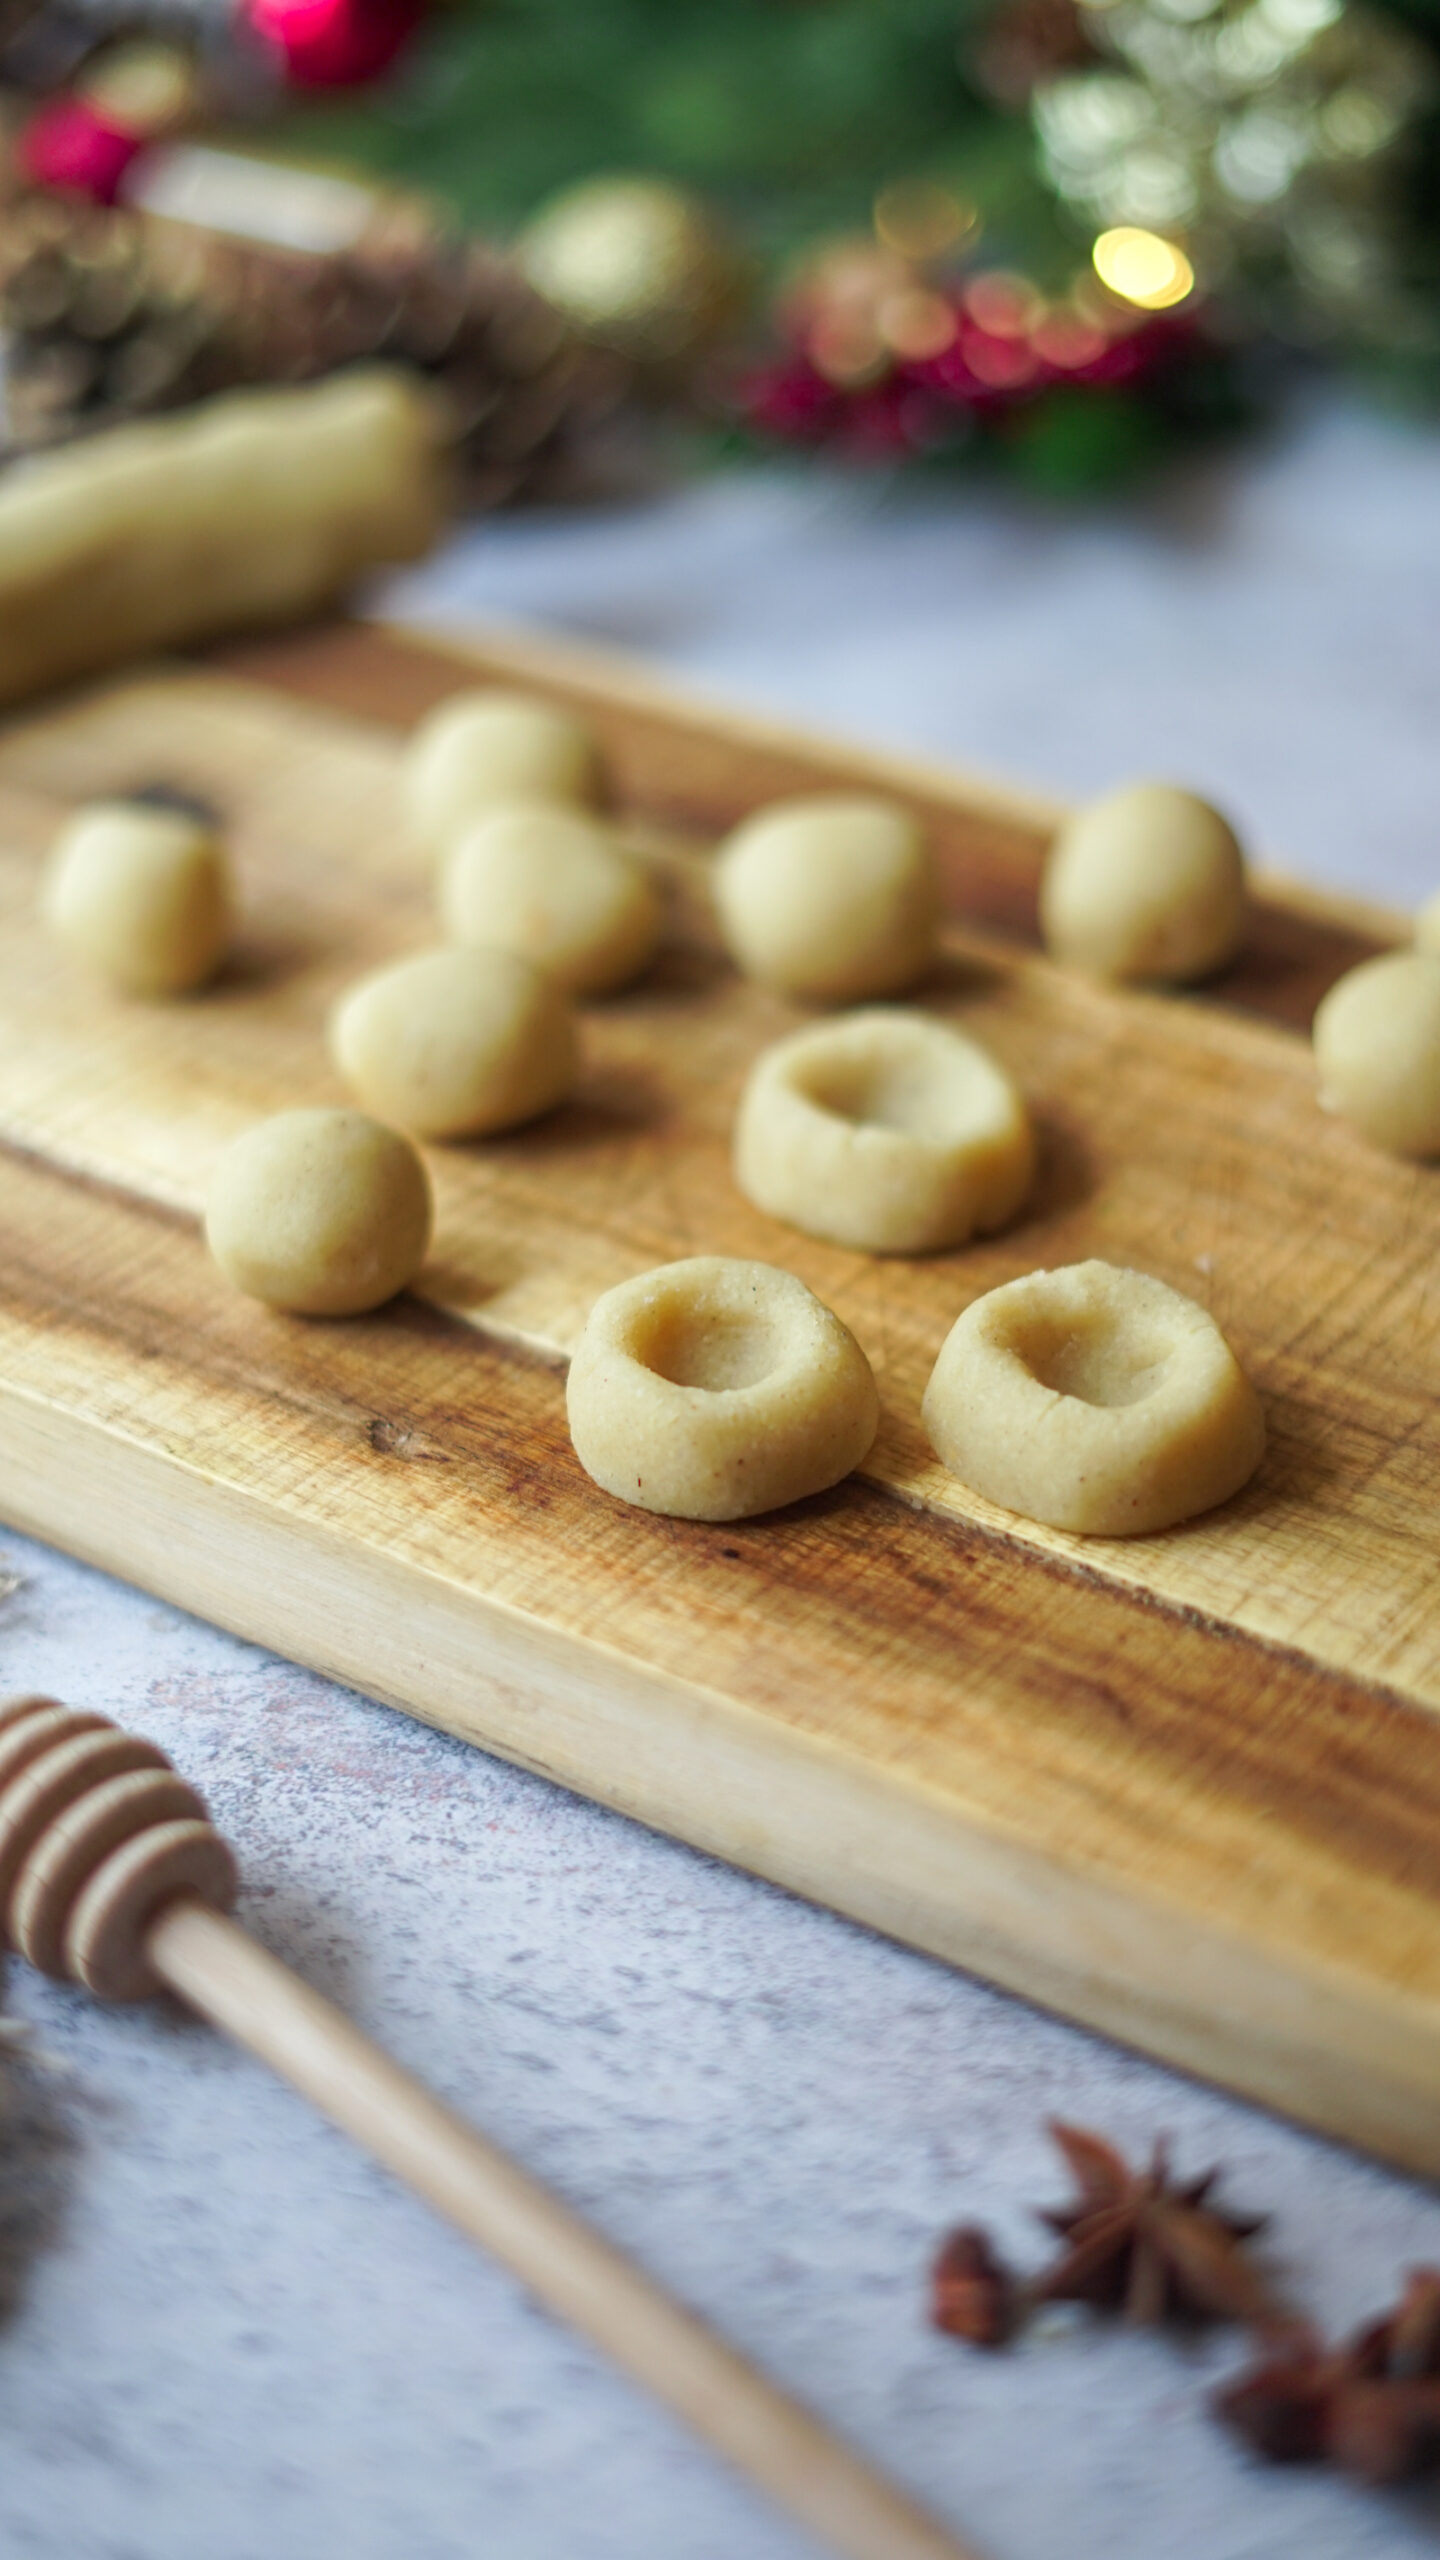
245 2343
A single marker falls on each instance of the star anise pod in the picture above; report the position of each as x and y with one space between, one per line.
1141 2244
1282 2405
1372 2407
973 2293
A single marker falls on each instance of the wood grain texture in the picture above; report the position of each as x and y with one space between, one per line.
1184 1787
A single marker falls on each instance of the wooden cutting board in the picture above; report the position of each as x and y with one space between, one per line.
1185 1788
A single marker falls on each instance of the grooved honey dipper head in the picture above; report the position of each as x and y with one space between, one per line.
97 1834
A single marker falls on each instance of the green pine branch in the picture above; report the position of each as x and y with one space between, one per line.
789 114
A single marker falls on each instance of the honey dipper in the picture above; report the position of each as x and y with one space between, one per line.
112 1876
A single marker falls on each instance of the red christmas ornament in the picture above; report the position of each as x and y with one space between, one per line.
69 144
335 44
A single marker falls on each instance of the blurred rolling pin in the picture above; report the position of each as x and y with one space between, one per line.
257 508
112 1876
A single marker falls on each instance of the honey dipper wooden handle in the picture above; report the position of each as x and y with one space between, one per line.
111 1874
218 1970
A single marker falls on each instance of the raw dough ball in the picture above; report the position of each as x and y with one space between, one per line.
1427 926
1096 1400
713 1389
482 747
1377 1049
832 898
142 893
885 1131
456 1044
1147 883
323 1212
554 885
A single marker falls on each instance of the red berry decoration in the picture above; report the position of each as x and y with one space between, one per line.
335 44
69 144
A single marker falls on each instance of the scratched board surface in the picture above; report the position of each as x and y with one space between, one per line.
1185 1786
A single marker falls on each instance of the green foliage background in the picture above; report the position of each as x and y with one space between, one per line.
790 113
786 114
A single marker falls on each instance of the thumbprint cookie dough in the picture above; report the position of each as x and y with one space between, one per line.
142 894
1146 883
481 748
885 1131
831 899
456 1044
554 885
1377 1051
1095 1400
715 1389
321 1212
1427 926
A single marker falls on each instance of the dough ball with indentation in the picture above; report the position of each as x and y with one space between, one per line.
831 899
1146 883
1096 1400
714 1389
1377 1051
481 748
456 1044
886 1131
142 893
554 885
322 1212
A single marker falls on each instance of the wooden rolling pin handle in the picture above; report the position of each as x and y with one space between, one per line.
112 1875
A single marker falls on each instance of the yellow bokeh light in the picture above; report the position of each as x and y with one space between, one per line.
917 326
1142 268
922 219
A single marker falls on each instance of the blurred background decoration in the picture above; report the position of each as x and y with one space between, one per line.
1056 236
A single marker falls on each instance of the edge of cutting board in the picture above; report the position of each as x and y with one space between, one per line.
112 1465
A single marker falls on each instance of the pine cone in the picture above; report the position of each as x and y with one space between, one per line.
113 313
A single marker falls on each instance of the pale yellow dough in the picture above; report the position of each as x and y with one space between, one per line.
456 1044
321 1212
1096 1400
1148 882
1377 1051
832 898
257 507
715 1389
481 748
142 894
1427 926
885 1131
554 885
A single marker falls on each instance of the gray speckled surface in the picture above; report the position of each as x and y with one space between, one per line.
249 2345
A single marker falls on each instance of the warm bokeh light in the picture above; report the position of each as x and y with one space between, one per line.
1002 364
1068 340
1004 305
917 325
847 348
921 219
1142 268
